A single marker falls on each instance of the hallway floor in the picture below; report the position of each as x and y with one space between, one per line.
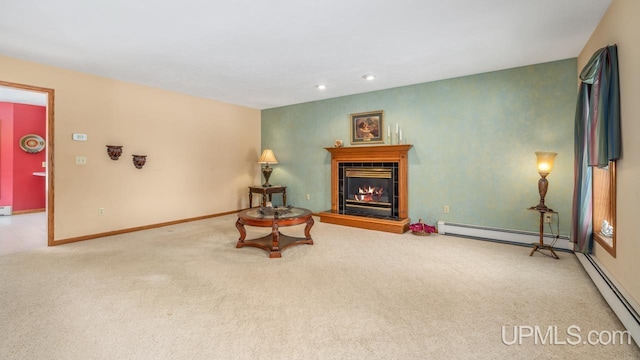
22 232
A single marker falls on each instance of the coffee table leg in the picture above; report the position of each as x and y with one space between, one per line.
243 233
307 230
275 242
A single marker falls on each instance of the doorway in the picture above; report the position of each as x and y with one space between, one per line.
35 92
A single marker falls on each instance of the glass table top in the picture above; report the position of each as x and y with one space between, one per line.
282 212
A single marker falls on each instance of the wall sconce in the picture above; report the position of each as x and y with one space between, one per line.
545 165
139 161
114 151
267 157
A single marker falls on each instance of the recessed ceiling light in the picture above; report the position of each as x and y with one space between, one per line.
320 87
368 77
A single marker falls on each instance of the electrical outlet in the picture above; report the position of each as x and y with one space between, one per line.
446 209
308 196
81 160
100 211
547 218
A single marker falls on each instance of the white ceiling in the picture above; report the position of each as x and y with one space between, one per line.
266 54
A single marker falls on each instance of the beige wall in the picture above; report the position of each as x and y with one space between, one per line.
201 153
620 26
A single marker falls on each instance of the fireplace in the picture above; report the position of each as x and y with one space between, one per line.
368 191
369 187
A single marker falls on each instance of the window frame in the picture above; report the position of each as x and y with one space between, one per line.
604 205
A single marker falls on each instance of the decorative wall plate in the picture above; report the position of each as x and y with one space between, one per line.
32 143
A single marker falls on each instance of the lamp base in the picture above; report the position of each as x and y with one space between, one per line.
266 172
540 247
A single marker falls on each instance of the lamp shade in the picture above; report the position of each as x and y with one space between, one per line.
545 161
268 157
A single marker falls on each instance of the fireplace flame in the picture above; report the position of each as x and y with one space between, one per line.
369 193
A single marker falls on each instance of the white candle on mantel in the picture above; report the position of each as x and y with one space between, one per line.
400 136
396 128
389 130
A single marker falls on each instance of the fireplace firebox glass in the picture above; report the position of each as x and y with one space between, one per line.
369 189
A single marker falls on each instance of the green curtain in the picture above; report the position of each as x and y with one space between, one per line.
597 136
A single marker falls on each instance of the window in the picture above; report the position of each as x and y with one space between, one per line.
604 207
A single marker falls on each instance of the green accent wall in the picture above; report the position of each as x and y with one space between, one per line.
474 141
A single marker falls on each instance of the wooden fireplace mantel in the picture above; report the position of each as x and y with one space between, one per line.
381 153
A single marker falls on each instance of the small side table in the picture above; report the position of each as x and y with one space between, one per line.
541 245
267 190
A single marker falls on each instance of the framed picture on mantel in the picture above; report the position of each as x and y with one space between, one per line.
366 128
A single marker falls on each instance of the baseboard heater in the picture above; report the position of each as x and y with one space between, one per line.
508 236
622 304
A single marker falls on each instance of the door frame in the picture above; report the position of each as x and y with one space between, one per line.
49 149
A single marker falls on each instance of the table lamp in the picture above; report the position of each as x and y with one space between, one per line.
267 158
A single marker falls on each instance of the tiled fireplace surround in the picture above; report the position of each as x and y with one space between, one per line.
397 154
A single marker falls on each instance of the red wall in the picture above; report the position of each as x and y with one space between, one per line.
6 153
29 191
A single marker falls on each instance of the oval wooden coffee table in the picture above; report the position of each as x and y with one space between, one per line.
275 242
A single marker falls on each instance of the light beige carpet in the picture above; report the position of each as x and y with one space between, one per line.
186 292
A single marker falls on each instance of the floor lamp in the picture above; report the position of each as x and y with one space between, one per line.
545 165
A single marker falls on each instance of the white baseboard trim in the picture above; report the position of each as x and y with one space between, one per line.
621 303
503 235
